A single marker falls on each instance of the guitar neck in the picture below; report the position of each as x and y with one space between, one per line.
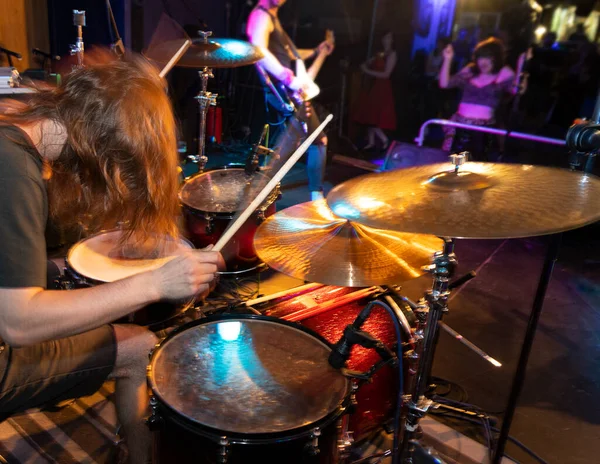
316 65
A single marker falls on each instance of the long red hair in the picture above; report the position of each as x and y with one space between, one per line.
119 163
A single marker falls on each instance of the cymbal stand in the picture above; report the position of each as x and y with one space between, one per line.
442 269
205 99
78 48
519 377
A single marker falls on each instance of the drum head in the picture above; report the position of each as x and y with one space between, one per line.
247 376
97 258
220 190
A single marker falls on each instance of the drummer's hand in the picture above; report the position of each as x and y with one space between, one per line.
187 275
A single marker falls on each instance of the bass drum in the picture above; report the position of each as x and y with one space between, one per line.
245 389
96 260
210 201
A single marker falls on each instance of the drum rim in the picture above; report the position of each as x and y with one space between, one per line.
90 280
237 437
271 198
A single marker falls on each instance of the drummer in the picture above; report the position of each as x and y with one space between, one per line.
99 149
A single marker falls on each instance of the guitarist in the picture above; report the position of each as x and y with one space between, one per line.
265 31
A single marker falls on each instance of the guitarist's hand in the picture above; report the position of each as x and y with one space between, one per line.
326 47
304 112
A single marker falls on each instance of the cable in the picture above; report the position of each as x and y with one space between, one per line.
494 429
397 326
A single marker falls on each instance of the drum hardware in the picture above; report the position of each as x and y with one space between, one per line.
271 185
216 408
313 445
77 49
155 422
205 99
93 261
478 200
442 269
224 450
253 160
211 199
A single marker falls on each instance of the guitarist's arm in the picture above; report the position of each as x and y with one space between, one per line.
324 49
390 64
307 53
258 30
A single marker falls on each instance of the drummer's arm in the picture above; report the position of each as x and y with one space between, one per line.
31 314
258 30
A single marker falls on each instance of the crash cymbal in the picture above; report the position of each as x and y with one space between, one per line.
479 200
216 53
309 242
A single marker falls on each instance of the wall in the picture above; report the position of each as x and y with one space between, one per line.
23 26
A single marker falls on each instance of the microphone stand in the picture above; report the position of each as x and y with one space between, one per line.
117 46
78 48
253 161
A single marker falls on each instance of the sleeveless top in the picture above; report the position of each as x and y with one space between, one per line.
489 95
279 42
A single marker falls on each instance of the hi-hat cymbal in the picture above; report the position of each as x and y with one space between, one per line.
481 200
216 53
309 242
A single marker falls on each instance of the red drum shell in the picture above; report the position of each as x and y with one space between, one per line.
210 200
376 400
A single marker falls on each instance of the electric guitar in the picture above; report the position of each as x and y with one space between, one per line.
284 99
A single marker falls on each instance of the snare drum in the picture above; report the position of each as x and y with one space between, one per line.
94 261
245 389
210 200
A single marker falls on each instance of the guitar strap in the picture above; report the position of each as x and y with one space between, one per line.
282 37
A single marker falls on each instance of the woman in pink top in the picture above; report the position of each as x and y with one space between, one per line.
484 84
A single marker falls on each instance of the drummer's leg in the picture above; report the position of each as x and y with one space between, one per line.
134 343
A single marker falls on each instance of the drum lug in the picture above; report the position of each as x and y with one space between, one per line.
312 447
224 450
260 217
353 404
155 421
210 228
64 283
345 443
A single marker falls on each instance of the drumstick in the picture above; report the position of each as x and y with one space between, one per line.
231 230
175 58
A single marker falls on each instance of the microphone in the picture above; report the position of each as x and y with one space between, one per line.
11 53
37 51
340 352
252 161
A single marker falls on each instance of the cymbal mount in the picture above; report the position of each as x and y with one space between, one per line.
443 268
205 99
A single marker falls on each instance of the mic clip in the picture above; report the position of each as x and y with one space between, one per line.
355 336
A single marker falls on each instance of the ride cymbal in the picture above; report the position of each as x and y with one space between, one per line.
216 53
309 242
479 200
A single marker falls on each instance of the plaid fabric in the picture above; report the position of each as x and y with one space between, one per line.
83 431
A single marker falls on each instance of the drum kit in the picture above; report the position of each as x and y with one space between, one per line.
290 381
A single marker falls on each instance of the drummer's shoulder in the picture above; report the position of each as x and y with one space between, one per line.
19 161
